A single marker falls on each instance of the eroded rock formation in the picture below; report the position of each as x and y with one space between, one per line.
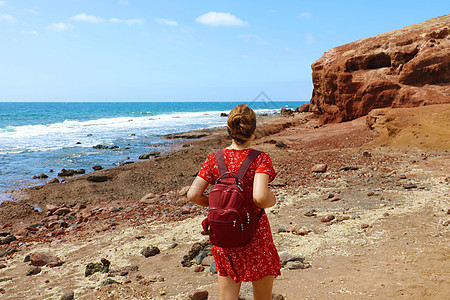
407 67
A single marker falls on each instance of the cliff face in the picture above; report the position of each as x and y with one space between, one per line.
407 67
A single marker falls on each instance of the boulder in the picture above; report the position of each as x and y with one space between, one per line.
43 259
65 173
303 108
319 168
407 67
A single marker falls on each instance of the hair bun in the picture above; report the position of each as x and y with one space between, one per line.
241 123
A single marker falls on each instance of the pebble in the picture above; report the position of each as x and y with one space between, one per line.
67 295
319 168
33 271
109 281
286 257
295 265
197 294
150 251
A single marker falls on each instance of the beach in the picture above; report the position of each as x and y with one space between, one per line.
371 223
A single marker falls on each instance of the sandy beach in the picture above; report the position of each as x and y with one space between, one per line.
373 224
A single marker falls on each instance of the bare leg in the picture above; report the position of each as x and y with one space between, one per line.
228 289
262 289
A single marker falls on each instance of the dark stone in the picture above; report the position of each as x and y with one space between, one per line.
8 239
92 268
97 178
150 251
34 271
65 173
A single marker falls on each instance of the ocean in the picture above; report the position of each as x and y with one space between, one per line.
38 137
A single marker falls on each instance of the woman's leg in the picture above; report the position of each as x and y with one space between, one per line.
228 289
262 289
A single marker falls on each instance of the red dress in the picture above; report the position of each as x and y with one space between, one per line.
258 258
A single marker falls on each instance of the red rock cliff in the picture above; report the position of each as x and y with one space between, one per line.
407 67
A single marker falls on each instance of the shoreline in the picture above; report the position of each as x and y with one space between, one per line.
389 208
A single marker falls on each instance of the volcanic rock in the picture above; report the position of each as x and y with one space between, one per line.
407 67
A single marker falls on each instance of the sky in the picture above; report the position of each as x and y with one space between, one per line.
199 50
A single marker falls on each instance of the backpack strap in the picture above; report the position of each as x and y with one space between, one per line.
242 169
221 162
247 162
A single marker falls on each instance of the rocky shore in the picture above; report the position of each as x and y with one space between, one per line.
363 211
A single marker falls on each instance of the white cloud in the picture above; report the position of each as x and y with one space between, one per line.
32 32
304 15
87 18
220 19
60 26
7 18
2 3
128 21
166 22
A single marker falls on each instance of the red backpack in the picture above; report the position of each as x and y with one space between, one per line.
231 219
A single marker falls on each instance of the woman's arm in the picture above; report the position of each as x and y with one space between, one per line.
262 196
195 193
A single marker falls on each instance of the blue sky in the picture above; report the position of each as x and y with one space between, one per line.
130 50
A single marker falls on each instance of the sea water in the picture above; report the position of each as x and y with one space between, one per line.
38 137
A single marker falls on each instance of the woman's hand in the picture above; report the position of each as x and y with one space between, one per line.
195 193
262 196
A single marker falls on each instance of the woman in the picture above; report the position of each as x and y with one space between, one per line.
258 260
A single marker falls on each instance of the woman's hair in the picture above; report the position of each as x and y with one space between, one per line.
241 123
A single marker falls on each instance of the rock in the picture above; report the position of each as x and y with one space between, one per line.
348 168
66 173
287 112
62 211
294 265
207 261
303 108
407 67
8 239
319 168
200 257
42 176
150 251
280 145
53 180
101 147
97 178
51 208
408 186
198 294
199 269
33 271
109 281
42 259
327 218
363 226
287 257
150 154
92 268
2 266
277 297
149 198
67 295
80 171
7 251
97 168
